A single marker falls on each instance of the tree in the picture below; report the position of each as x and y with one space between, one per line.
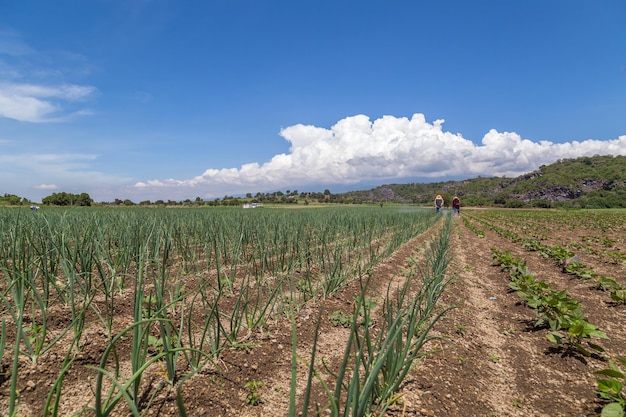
83 200
67 199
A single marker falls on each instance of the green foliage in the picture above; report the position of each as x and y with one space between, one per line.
60 260
339 319
618 296
564 257
470 225
605 283
253 397
562 313
67 199
376 361
532 244
12 200
610 389
582 271
576 329
559 253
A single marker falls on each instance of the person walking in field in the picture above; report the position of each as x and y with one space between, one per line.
456 206
438 202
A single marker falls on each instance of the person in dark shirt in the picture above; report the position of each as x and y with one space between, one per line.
456 206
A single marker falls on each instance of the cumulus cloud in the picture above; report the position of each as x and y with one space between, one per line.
38 103
357 150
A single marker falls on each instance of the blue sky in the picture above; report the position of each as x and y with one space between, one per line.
175 99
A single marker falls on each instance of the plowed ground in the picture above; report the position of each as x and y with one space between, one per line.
490 361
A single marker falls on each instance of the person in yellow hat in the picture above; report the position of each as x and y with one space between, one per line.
438 202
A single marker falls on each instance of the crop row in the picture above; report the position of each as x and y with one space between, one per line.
603 221
565 259
597 232
379 354
567 325
198 282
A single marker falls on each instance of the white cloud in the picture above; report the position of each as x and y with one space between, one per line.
38 103
358 150
50 98
46 187
67 92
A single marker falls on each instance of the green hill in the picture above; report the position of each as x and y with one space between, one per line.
586 182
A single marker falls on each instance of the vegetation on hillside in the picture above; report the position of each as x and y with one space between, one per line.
12 200
586 182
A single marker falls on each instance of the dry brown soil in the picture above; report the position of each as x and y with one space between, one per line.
490 362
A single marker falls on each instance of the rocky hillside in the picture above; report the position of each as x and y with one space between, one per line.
586 182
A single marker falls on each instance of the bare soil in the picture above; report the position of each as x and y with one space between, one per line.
490 361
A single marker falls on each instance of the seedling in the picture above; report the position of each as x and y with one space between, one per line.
619 296
339 319
509 331
580 270
155 344
253 397
611 388
304 286
608 242
605 283
575 330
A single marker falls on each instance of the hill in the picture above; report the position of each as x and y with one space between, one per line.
586 182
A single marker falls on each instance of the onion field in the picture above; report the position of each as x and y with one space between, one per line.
146 311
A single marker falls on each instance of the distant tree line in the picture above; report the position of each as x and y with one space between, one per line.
276 197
